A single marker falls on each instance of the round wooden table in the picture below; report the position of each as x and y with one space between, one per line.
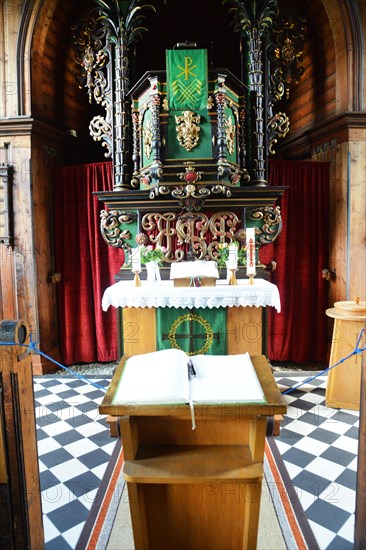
344 381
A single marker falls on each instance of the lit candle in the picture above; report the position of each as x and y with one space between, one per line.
136 259
250 238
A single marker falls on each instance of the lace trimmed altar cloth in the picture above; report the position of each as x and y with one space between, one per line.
125 294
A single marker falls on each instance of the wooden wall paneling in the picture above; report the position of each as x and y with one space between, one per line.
347 220
314 97
21 275
56 95
338 223
328 154
9 17
44 56
357 225
348 26
8 303
340 52
2 65
24 258
43 158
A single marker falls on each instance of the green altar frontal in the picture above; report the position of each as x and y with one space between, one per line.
195 331
216 331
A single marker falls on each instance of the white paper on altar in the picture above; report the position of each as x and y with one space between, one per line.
164 294
198 268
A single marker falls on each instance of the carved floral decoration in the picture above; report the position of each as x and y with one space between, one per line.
188 131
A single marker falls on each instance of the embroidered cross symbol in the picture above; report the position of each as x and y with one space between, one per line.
191 318
187 70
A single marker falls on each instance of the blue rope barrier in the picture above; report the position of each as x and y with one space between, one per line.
354 352
32 347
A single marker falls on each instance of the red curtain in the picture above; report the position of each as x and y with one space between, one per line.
299 332
86 263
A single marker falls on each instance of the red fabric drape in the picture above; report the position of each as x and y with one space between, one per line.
86 263
298 333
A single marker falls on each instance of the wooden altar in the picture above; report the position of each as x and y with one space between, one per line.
208 479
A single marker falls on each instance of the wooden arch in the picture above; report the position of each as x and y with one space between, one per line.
348 27
27 27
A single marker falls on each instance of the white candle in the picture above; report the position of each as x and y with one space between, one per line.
250 238
233 257
136 259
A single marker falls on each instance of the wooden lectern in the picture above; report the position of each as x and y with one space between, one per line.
198 488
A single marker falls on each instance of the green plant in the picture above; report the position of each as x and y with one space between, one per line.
223 254
242 255
150 254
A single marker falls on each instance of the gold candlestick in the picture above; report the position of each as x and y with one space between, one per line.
251 279
137 279
232 280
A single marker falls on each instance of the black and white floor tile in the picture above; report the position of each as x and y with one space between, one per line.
318 446
74 448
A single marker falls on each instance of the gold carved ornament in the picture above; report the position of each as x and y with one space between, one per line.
229 134
195 228
162 232
147 138
187 227
112 227
271 225
188 130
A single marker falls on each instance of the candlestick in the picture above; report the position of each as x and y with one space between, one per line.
232 280
137 280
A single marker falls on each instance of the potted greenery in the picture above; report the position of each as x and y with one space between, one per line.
152 258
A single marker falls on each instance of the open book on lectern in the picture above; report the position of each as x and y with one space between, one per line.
165 377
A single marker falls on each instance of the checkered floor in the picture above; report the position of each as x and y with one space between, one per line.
318 446
74 448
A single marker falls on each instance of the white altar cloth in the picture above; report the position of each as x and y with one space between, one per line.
165 294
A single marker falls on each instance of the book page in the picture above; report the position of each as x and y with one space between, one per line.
159 377
225 379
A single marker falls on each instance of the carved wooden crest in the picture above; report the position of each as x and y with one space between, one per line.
188 131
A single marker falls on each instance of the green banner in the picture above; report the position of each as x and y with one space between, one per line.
187 86
195 331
